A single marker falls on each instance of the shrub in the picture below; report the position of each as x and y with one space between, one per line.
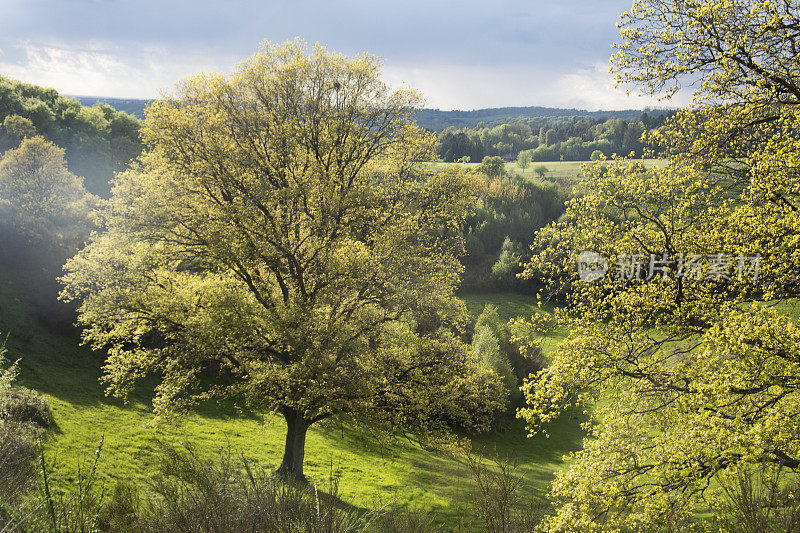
490 318
497 497
195 495
486 348
492 166
18 127
404 522
508 262
20 406
24 417
759 500
17 451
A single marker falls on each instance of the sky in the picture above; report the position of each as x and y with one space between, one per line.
460 54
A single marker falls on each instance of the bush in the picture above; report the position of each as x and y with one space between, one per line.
24 407
493 166
24 418
197 495
194 495
762 499
17 452
497 500
511 350
404 522
486 348
508 263
597 155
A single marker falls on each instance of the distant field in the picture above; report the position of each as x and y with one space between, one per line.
556 170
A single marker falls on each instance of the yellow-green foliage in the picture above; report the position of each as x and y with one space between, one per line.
278 232
18 127
694 377
35 183
486 348
8 373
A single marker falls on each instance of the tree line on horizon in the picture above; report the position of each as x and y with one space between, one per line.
549 138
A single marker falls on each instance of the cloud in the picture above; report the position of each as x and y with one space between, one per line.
68 69
100 70
456 87
458 53
593 88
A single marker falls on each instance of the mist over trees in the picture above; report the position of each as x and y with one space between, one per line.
98 141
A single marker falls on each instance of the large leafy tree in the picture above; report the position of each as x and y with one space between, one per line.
691 370
277 243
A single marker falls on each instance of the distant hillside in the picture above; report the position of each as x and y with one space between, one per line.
131 106
434 119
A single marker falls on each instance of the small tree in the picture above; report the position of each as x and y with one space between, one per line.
507 263
597 155
541 170
278 236
34 179
486 348
493 166
18 127
524 158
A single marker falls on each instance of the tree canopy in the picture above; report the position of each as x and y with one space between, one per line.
277 243
683 349
35 181
570 138
98 140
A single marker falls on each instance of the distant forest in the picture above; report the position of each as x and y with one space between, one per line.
549 133
98 140
437 120
573 138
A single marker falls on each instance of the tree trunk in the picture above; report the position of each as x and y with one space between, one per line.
291 468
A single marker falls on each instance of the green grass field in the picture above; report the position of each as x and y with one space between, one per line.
370 472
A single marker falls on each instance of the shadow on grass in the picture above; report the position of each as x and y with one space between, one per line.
448 478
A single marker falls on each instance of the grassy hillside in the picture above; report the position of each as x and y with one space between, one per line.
370 472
